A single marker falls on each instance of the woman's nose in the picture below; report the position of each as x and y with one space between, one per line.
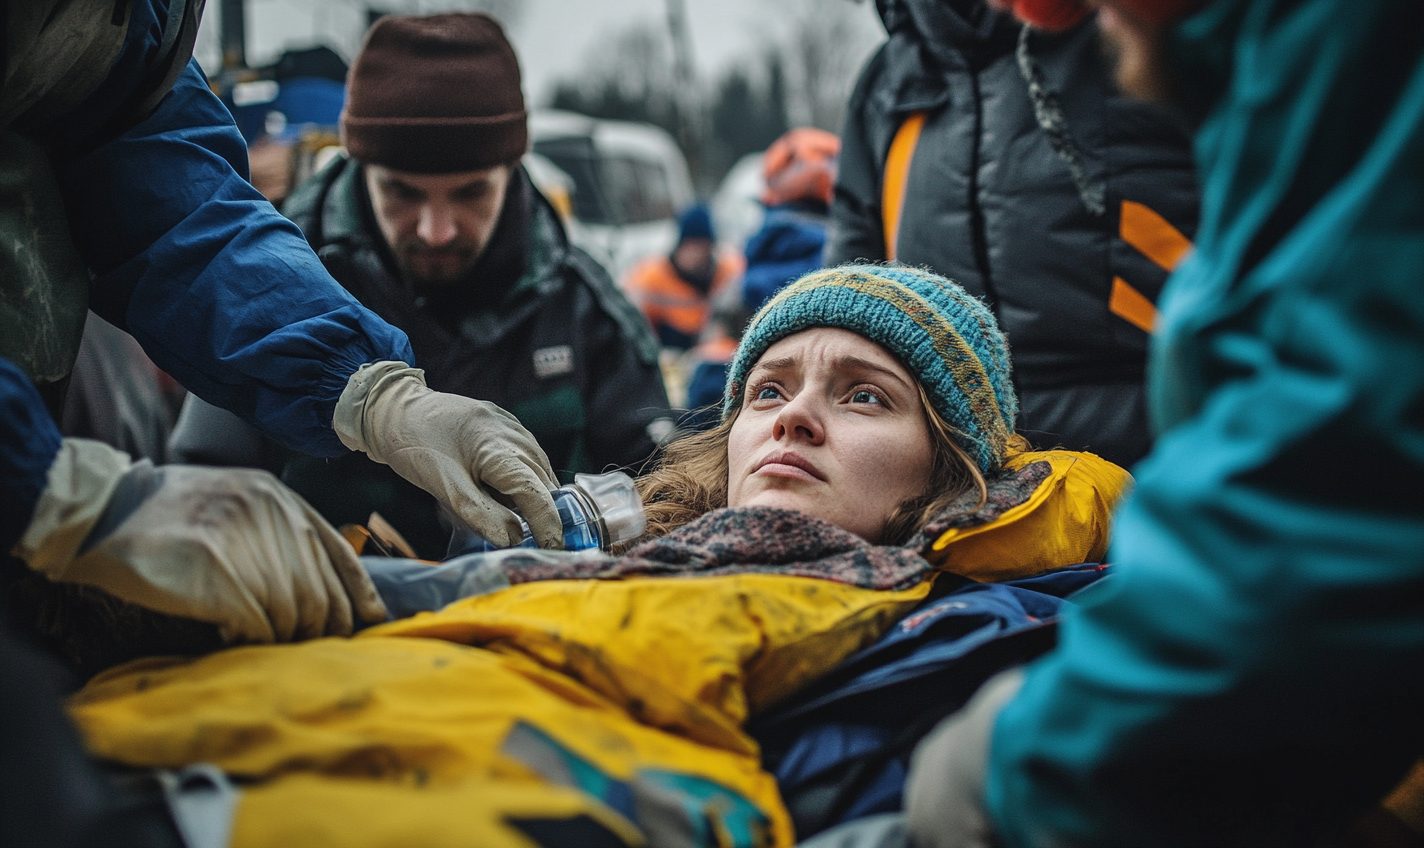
801 419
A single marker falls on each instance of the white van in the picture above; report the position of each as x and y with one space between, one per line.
630 182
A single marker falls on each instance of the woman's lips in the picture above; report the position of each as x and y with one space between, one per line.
790 465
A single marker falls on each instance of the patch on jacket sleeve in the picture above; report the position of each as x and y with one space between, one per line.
553 361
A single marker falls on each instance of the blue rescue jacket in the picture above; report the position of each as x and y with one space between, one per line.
1254 673
222 292
841 749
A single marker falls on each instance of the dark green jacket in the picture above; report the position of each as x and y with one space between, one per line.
544 334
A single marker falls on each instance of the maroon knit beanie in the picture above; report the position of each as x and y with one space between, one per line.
435 95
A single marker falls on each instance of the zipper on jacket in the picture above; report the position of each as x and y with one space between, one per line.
978 237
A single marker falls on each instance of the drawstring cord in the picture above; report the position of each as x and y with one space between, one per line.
1049 113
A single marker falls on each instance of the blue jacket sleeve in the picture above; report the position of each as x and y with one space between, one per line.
1254 673
29 442
221 290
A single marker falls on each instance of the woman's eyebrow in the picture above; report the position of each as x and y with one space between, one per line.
773 365
855 362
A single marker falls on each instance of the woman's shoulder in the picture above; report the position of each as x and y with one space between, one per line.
1044 510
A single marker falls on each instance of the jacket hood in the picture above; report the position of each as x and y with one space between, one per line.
951 32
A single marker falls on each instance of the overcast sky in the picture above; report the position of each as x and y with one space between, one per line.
552 37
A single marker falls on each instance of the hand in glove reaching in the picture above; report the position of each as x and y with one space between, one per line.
465 452
233 547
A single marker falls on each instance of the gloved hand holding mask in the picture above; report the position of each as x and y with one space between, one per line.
232 547
468 453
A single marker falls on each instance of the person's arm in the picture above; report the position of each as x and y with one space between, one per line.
226 296
856 230
1254 674
222 291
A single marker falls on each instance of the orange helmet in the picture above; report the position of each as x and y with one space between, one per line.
801 165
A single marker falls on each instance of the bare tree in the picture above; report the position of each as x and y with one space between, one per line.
824 46
629 77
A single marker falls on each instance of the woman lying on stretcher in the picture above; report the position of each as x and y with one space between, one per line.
867 434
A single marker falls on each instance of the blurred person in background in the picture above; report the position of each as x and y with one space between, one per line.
432 223
1252 674
711 358
799 170
675 291
800 173
1006 159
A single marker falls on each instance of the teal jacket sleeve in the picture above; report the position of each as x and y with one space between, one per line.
1254 673
221 290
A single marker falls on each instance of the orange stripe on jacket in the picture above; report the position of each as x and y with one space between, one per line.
897 172
1150 233
1158 240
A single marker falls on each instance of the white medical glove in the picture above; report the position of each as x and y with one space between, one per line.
944 791
463 451
233 547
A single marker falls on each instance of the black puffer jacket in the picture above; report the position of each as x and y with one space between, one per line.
1018 195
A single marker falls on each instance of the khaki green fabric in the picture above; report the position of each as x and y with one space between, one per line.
57 54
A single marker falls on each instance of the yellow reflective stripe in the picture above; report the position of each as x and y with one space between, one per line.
1152 235
897 171
1132 306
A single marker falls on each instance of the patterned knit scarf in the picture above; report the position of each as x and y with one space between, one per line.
767 540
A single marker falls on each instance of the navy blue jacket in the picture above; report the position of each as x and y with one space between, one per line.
789 244
29 441
840 749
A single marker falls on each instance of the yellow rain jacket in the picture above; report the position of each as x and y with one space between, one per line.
553 712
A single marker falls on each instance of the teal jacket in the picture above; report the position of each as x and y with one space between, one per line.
1254 674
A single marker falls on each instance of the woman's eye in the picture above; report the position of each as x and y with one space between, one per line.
767 393
865 396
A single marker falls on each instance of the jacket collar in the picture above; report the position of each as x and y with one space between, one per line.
953 33
930 39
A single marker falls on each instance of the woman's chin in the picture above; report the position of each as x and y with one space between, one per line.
812 504
784 499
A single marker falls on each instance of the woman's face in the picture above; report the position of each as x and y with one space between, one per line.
832 425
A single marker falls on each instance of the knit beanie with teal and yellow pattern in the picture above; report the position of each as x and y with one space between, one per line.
942 334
